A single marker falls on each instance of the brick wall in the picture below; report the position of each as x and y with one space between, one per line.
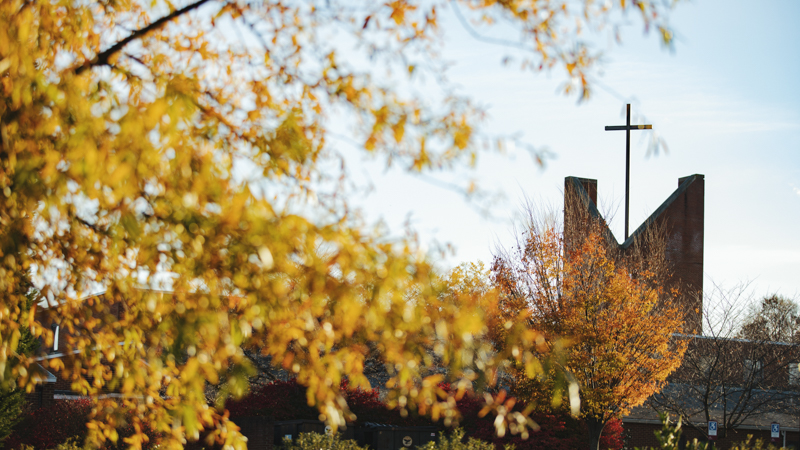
258 431
640 434
682 218
41 396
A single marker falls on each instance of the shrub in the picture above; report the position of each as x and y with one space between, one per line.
62 426
670 435
757 445
11 404
557 430
69 444
286 400
316 441
279 400
613 435
368 407
455 441
64 419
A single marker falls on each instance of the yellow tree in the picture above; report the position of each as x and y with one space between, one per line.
152 146
611 307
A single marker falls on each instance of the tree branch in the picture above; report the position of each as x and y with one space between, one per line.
102 58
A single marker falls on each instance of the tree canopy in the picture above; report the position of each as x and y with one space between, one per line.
611 307
774 319
741 368
173 156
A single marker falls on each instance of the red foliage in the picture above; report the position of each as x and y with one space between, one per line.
279 400
557 432
368 407
286 400
48 426
613 436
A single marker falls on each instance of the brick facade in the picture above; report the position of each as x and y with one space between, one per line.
681 220
42 396
258 431
681 217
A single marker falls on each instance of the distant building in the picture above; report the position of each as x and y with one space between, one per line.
773 397
53 386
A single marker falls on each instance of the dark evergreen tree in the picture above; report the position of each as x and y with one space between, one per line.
12 399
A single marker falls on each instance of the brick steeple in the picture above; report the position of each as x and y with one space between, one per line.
681 217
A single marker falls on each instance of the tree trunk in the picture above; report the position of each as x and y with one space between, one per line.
595 430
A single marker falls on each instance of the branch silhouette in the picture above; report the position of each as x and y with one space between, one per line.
102 58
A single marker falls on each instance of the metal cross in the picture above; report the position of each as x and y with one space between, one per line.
627 127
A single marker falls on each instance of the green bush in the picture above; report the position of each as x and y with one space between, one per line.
451 441
670 435
12 401
757 445
455 441
316 441
70 444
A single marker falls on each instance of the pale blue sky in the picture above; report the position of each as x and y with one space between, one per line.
727 101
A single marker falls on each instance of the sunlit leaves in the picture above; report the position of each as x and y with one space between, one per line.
613 308
174 158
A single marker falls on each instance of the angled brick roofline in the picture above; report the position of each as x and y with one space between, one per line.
586 188
683 186
589 199
682 216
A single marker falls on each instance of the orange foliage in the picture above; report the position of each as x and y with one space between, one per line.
615 312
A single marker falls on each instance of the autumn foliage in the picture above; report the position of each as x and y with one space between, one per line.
175 156
611 309
284 400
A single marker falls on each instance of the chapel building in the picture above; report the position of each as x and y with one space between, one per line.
680 218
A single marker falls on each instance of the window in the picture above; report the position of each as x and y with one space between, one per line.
753 370
794 374
55 329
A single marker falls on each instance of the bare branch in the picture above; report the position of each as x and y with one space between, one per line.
101 59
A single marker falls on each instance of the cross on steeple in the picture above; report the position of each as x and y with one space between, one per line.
627 127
